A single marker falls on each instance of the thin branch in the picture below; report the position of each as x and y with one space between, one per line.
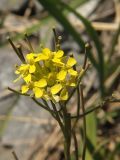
15 155
87 47
58 43
55 37
17 92
41 105
57 117
101 105
19 48
16 50
29 43
33 98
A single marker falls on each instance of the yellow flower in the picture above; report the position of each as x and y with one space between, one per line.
48 75
49 56
25 70
37 88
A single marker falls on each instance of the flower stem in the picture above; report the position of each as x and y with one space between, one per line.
19 54
58 117
75 144
84 122
29 43
67 131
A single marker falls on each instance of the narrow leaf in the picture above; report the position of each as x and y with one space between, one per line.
55 10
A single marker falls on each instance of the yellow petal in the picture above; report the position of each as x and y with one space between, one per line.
41 83
72 72
24 89
38 92
71 61
41 57
64 95
56 88
30 56
59 54
61 75
23 67
27 78
58 62
47 52
32 69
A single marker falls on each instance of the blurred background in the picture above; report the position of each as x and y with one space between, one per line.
29 130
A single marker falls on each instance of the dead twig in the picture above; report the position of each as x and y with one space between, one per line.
15 155
102 26
22 119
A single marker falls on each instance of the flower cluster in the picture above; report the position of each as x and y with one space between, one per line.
48 75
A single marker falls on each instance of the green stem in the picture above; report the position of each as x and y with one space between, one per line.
19 54
19 47
75 123
17 92
67 132
41 105
78 102
58 117
55 37
51 111
29 43
76 145
84 122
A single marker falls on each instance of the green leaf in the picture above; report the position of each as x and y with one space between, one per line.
91 131
92 33
56 10
90 152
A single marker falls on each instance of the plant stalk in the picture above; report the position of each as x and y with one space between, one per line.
84 122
